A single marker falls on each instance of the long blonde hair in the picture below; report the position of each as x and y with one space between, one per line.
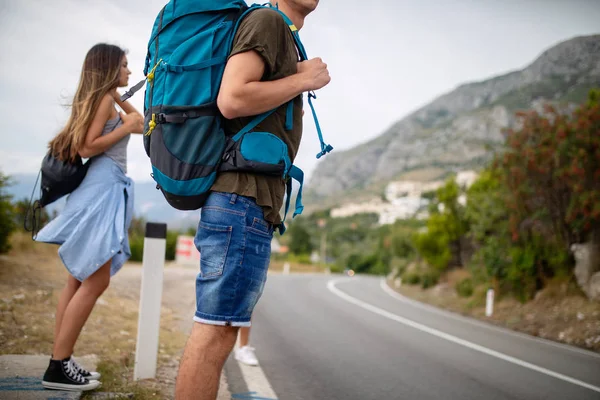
99 75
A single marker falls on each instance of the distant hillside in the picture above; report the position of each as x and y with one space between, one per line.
458 130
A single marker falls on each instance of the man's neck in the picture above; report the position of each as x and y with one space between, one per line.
296 17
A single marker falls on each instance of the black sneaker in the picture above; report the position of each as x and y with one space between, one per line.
93 375
61 375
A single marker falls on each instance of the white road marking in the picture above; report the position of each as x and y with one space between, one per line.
471 321
332 288
257 382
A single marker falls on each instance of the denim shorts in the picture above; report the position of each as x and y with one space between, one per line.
234 242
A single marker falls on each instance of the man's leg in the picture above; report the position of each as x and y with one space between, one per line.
203 358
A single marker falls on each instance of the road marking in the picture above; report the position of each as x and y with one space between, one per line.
332 288
386 288
257 383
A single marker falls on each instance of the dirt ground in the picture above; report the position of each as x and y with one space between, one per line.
31 278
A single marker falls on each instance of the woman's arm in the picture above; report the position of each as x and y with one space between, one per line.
125 105
95 143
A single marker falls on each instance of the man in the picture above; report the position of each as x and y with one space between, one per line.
237 222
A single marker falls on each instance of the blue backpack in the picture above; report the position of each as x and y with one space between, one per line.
184 131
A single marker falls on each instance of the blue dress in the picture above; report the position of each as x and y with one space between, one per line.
93 226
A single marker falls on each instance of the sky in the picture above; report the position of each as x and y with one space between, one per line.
387 58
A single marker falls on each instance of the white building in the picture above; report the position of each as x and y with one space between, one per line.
465 179
404 200
403 208
373 206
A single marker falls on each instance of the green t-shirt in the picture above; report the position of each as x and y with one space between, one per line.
265 32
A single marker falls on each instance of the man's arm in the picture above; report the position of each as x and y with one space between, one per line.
242 93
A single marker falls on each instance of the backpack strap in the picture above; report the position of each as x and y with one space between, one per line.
295 34
257 120
289 116
34 209
325 148
298 175
128 94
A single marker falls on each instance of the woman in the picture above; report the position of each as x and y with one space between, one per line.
92 228
244 353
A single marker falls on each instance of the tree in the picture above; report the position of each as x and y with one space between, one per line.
300 239
7 215
171 245
401 244
445 228
485 211
552 171
137 232
23 209
434 245
487 217
541 195
138 226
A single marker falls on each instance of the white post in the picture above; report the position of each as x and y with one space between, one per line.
489 303
286 268
146 350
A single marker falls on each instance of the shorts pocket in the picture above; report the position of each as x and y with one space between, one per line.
213 241
261 227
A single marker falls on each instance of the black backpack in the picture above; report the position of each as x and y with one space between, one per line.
59 178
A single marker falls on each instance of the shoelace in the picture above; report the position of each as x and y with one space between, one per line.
72 372
79 368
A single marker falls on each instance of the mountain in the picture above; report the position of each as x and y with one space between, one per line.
148 203
458 130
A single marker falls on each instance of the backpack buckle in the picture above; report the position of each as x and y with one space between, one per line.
160 118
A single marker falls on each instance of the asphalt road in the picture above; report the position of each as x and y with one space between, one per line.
327 337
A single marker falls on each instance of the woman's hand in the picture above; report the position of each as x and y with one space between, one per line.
134 122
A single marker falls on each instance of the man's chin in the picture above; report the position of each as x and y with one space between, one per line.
310 7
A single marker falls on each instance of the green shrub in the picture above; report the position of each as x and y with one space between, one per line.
411 278
478 298
7 214
300 258
171 245
136 245
429 279
464 288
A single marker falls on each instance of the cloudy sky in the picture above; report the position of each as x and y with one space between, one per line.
386 58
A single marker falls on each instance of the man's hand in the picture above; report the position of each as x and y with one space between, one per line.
314 73
242 93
